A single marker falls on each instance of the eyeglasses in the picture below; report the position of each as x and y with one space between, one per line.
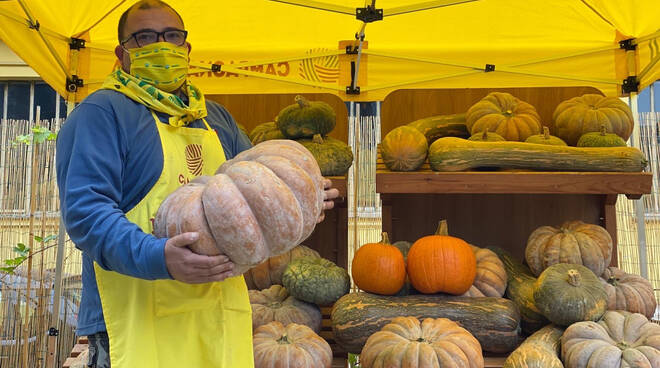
142 38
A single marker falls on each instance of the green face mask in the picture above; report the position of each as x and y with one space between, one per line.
161 64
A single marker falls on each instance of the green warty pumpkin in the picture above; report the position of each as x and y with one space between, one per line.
306 118
333 156
265 132
601 139
316 280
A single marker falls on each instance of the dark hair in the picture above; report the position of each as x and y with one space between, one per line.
143 4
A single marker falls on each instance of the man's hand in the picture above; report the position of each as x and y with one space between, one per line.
329 194
191 268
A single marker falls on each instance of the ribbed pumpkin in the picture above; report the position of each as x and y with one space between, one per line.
541 350
261 203
486 136
628 292
406 343
306 118
270 272
404 149
265 132
275 304
504 114
333 156
584 114
491 277
316 280
293 346
619 340
441 263
379 268
573 242
545 138
601 139
568 293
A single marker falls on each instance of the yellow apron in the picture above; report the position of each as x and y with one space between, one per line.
167 323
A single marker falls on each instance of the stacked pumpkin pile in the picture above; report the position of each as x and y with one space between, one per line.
459 314
285 293
587 133
309 122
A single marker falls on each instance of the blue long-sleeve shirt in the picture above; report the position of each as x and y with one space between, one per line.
109 156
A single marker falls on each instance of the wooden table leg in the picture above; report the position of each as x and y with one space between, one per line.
609 221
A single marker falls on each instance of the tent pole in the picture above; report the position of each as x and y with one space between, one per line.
640 211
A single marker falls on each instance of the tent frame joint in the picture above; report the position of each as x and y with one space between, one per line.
76 43
630 84
216 68
350 90
352 50
369 14
73 83
489 68
629 44
53 331
34 25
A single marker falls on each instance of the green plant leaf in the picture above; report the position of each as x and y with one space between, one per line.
9 270
50 237
38 238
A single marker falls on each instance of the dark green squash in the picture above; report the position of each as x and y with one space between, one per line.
333 156
568 293
541 350
520 289
316 280
486 136
601 139
265 132
493 321
435 127
404 149
407 288
306 118
545 138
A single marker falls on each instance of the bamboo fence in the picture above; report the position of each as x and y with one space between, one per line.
29 211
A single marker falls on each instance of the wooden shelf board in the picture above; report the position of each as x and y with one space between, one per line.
514 182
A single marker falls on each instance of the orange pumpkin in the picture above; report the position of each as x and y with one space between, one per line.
504 114
379 268
441 263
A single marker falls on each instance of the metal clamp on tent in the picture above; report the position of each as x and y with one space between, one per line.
628 45
489 68
76 43
369 14
216 68
73 83
53 331
630 84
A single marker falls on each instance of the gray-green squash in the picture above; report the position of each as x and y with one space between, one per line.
306 118
265 132
333 156
567 293
316 280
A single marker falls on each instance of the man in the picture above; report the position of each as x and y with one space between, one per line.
150 302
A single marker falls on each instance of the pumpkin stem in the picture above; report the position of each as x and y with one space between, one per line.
302 101
386 238
442 228
574 277
283 340
546 133
603 130
613 280
317 139
421 339
485 135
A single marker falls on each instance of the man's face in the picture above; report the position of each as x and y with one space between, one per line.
153 19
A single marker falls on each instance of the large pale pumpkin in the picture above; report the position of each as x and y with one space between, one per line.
275 304
619 340
435 343
628 292
568 293
404 149
491 277
584 114
504 114
293 346
441 263
573 242
261 203
270 272
306 118
379 268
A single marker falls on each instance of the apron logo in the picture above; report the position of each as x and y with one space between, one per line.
194 159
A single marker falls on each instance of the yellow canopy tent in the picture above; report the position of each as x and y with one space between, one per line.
262 46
